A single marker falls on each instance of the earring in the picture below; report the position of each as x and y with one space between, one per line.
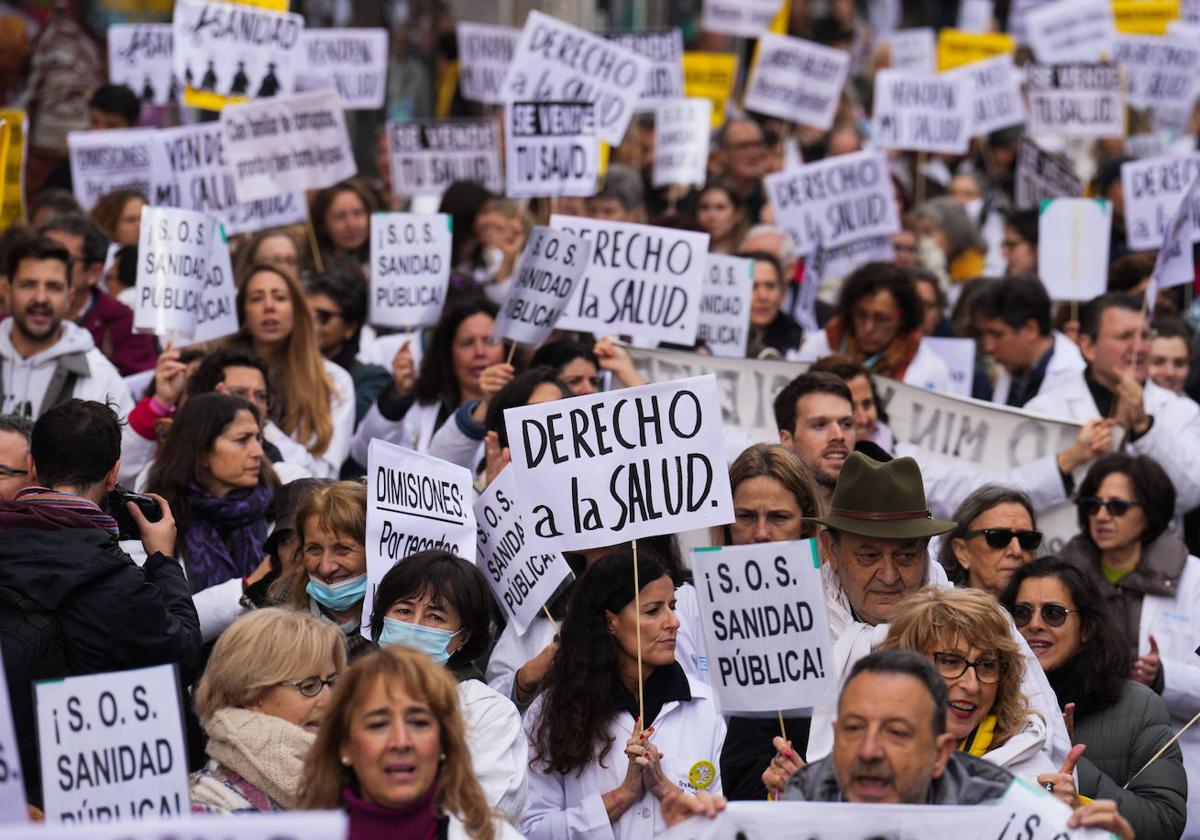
345 761
442 757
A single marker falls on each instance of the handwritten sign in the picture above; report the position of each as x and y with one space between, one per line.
914 50
1153 189
429 155
1042 175
725 306
104 161
1072 30
551 267
922 113
995 89
797 80
141 57
744 18
681 135
484 53
1075 100
710 76
410 268
664 49
1175 264
216 314
551 149
1159 71
354 61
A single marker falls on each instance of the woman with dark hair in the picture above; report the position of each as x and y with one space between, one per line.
533 387
1086 657
119 213
589 704
341 217
577 366
878 324
772 331
440 604
721 213
996 533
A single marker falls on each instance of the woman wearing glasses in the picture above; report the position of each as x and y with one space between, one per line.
996 534
261 701
1062 616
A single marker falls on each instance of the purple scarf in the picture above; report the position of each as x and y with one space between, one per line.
225 536
415 821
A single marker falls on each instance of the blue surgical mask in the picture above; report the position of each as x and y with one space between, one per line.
340 596
428 640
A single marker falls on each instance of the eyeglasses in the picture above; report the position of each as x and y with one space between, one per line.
311 686
10 472
952 666
1090 505
1053 615
324 316
1001 537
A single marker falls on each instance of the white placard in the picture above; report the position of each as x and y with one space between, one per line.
1153 188
126 721
414 503
410 268
484 53
976 15
12 788
354 61
744 18
555 61
551 267
522 580
601 469
140 56
796 80
216 314
725 305
1146 145
923 113
1018 14
1075 100
1072 30
551 149
914 50
287 144
644 281
104 161
765 629
1158 71
1175 263
842 199
681 135
995 87
1041 175
959 356
235 49
174 249
843 259
664 49
429 155
1073 239
238 825
266 213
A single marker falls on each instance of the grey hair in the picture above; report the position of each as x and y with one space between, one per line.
787 251
623 184
982 500
18 425
951 218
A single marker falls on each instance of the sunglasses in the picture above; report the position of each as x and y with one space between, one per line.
311 686
1001 537
1053 615
1090 505
953 665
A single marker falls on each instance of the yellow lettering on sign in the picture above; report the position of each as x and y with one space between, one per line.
956 48
1144 17
710 76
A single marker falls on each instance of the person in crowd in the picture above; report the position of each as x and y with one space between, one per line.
959 246
1107 184
995 533
1019 247
282 545
589 703
741 160
275 247
341 217
338 302
15 432
870 418
815 417
261 701
721 214
121 280
78 604
52 202
532 387
119 214
772 331
1170 354
392 752
576 366
1131 273
312 399
906 243
1012 317
108 320
502 228
1062 616
109 107
440 604
933 299
985 208
620 198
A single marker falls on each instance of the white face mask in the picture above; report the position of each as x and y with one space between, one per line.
930 255
973 207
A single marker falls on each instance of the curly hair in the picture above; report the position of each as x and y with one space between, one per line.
875 277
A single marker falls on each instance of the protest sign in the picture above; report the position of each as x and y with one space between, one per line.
410 268
1144 17
216 314
12 199
976 15
994 86
664 49
141 57
429 155
557 62
710 76
843 259
354 61
681 133
237 825
551 267
174 247
842 199
1153 188
1072 30
230 52
521 579
550 149
12 788
1018 14
111 747
959 356
725 305
195 175
1075 100
601 469
1146 145
956 48
1159 71
1042 175
414 503
796 80
1029 811
922 113
744 18
765 629
484 53
264 213
103 161
1175 263
287 145
644 281
914 50
1073 239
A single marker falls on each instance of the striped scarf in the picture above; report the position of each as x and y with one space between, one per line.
69 501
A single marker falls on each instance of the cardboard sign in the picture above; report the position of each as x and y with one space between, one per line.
681 135
744 18
555 62
429 155
605 468
522 580
725 306
410 268
922 113
959 356
1072 30
550 149
484 53
414 503
765 629
231 52
1159 71
956 48
1073 239
1042 175
1175 263
1144 17
914 50
141 56
1075 100
1153 189
796 80
174 249
354 61
664 49
104 161
12 199
287 145
111 747
995 89
710 76
644 281
551 267
842 199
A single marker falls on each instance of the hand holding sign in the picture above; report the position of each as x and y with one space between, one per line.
1103 815
783 765
1062 783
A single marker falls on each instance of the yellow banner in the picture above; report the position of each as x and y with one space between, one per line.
12 170
780 25
1144 17
956 48
710 76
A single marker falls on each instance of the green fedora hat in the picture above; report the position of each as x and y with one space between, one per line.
885 500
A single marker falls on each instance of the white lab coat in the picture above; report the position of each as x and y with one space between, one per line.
412 431
1065 362
329 463
569 806
499 751
926 370
455 830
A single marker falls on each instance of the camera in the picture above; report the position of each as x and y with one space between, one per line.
127 529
